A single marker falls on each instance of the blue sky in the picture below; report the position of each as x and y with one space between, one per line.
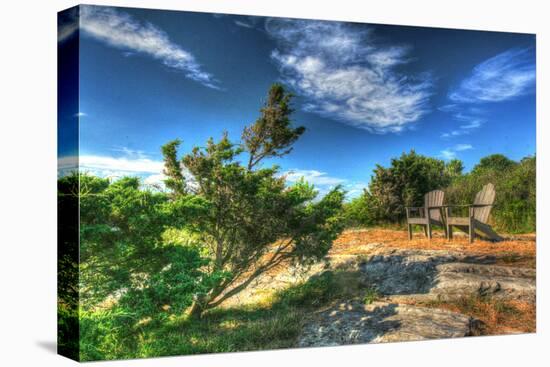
364 92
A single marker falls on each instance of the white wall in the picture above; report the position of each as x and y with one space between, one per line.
28 178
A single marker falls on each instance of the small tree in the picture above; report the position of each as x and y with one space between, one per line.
454 168
404 183
494 162
255 222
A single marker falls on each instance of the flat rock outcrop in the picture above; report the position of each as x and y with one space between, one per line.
379 322
445 276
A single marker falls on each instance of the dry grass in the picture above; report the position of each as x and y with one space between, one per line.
498 317
354 241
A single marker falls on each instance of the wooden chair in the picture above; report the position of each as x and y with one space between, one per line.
478 215
429 214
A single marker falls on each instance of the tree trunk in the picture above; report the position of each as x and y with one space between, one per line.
196 310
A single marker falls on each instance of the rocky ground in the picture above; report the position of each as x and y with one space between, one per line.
416 289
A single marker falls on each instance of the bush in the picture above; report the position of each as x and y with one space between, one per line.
358 213
411 176
515 203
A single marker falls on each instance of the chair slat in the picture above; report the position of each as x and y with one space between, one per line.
485 197
434 198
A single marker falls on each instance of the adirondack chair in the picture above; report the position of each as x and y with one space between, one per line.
478 215
429 214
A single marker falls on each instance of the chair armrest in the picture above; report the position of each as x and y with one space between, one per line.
420 209
466 206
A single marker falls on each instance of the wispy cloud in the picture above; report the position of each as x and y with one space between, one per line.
345 75
120 30
243 24
313 177
131 153
468 122
451 153
132 162
120 165
503 77
323 182
67 24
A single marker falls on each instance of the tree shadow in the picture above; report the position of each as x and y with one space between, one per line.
407 274
351 323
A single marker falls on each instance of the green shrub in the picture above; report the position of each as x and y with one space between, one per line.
515 204
411 176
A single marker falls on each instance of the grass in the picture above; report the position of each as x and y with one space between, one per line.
274 323
276 320
498 317
371 295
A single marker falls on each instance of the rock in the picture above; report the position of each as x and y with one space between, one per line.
436 274
354 323
459 279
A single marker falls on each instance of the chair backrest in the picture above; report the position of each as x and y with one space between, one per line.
485 197
434 198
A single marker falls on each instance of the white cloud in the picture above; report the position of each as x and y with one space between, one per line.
355 189
448 154
451 153
66 30
469 124
121 164
156 180
244 24
344 75
121 30
324 182
67 24
313 177
503 77
133 163
461 147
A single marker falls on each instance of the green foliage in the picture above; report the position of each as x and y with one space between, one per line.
149 256
454 168
371 295
515 204
358 212
174 177
494 162
404 183
67 267
272 134
124 254
411 176
250 206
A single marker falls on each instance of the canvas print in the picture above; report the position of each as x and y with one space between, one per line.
232 183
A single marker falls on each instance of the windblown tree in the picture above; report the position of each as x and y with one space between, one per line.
254 221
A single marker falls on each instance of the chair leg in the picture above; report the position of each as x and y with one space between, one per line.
449 232
471 232
429 227
410 230
425 229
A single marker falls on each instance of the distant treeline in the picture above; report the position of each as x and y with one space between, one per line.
412 175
